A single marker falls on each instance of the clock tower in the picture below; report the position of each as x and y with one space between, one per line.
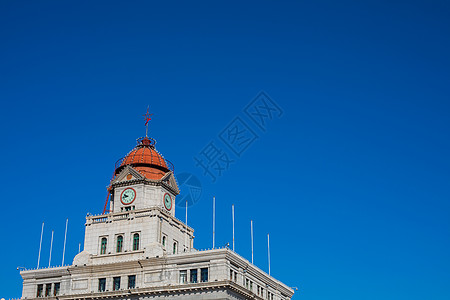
140 222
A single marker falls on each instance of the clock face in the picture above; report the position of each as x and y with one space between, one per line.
167 201
128 195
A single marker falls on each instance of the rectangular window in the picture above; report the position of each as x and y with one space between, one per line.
131 281
231 274
247 283
48 289
183 276
56 289
102 284
116 283
40 289
204 274
235 276
251 286
194 276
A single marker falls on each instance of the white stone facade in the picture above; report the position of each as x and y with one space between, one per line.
229 276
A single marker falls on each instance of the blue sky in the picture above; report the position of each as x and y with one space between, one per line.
351 180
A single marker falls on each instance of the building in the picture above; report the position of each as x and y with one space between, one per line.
139 249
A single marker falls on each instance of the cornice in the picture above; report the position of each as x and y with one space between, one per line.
168 290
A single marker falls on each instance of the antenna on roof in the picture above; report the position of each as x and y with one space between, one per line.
40 245
65 237
214 221
51 247
232 217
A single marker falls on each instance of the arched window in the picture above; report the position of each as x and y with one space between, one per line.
103 246
136 241
175 248
119 243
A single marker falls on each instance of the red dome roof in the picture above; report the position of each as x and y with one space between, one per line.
145 159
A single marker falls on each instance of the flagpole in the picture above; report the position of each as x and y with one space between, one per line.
268 251
65 237
186 235
51 247
40 245
214 221
251 228
232 214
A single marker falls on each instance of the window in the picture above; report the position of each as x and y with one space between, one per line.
103 246
183 276
136 241
102 284
119 244
193 276
128 208
40 289
247 283
204 274
235 276
175 247
251 286
131 281
164 241
116 283
48 289
56 289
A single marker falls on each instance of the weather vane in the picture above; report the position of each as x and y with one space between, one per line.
147 118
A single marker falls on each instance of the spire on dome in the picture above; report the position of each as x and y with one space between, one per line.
147 118
145 158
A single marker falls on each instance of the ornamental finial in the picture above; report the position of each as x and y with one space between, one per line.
147 118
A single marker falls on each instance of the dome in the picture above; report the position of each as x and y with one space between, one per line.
146 160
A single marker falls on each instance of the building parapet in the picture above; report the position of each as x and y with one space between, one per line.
131 214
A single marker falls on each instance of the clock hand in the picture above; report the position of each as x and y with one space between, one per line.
125 196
